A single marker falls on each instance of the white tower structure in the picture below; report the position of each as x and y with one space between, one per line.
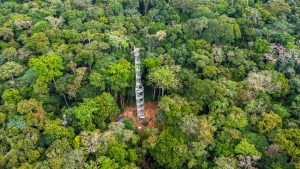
139 89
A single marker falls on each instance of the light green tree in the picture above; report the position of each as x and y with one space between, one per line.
38 43
96 111
77 78
10 70
174 107
46 68
10 53
226 163
246 148
288 140
262 46
170 151
11 96
165 77
97 80
269 122
118 77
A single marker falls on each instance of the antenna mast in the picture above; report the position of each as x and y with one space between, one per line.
139 89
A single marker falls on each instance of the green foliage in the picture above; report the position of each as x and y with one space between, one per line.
28 77
95 111
175 107
129 124
2 119
269 122
165 77
296 105
119 75
97 80
210 72
200 59
53 130
38 43
170 151
150 63
262 46
10 53
107 163
47 67
85 57
246 148
16 122
222 30
145 123
233 118
281 110
259 140
11 96
132 155
41 26
274 83
6 33
236 118
288 141
222 79
195 45
76 83
58 149
118 154
10 70
194 27
226 163
277 7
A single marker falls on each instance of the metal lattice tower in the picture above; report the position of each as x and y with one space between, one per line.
139 89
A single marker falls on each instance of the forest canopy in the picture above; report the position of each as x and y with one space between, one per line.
223 76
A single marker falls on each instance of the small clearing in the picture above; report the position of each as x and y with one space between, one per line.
150 115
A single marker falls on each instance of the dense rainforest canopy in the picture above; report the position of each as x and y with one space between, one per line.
225 75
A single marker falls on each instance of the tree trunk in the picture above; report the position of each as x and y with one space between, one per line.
54 82
121 100
132 91
120 96
162 91
90 67
292 157
116 96
154 89
65 100
159 91
144 6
